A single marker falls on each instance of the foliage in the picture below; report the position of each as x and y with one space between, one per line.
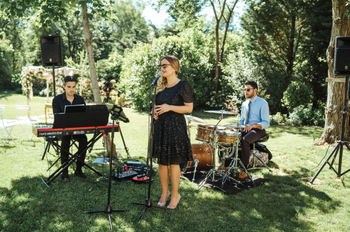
278 119
238 69
297 94
306 115
313 69
120 28
280 38
109 69
5 71
184 15
193 48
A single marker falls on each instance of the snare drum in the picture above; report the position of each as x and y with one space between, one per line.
228 136
204 154
205 132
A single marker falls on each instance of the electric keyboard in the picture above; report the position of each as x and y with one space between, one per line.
46 131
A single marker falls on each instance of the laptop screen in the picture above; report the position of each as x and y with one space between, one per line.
93 115
74 108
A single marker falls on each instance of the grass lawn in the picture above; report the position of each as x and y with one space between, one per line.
286 202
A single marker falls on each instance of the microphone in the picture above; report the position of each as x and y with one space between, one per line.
156 77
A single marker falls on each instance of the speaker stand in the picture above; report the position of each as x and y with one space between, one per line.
54 80
341 143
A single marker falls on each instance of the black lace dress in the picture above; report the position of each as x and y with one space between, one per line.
171 143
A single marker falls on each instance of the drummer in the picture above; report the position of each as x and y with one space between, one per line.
255 118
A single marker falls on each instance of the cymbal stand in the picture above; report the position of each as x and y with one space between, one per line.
214 144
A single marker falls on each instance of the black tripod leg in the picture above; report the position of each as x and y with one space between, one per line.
334 157
123 140
335 150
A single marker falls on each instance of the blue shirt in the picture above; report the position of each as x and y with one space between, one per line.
258 113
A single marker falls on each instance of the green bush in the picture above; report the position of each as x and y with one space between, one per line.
278 119
140 64
5 64
296 94
306 116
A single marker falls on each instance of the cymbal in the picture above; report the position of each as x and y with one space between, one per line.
195 119
220 112
234 126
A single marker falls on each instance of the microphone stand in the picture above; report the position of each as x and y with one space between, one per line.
148 201
108 210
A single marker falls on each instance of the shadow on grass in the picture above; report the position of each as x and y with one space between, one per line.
281 204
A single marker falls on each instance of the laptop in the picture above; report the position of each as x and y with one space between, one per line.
87 116
74 108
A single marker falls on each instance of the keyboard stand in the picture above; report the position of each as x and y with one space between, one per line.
72 158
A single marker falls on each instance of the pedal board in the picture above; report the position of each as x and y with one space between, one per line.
125 174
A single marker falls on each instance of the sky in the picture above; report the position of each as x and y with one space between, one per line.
159 18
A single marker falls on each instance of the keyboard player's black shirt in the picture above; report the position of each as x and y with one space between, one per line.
60 101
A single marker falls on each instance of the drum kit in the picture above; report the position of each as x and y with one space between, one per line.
216 141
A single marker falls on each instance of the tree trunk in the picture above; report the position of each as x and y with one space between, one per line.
93 75
219 14
90 52
336 86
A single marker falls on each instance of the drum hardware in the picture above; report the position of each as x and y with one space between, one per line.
234 166
221 112
226 150
202 158
190 118
195 169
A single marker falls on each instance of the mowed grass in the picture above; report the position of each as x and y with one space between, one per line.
286 202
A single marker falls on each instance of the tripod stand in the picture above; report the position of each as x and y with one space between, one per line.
339 147
108 210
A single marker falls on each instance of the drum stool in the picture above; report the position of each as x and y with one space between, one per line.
258 144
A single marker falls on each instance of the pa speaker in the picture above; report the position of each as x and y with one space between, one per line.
342 56
51 51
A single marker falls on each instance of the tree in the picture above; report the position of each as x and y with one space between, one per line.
284 39
90 52
223 12
336 86
184 15
120 28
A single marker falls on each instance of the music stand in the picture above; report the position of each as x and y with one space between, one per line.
339 147
116 113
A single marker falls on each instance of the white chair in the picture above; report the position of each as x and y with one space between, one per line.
5 124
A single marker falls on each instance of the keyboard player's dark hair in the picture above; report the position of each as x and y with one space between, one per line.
70 78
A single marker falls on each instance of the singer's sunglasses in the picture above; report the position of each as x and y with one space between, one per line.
163 65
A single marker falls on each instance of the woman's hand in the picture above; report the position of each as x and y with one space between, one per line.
161 109
156 116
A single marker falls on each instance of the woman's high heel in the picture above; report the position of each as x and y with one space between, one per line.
162 204
177 203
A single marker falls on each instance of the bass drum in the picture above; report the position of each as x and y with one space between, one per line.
204 154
